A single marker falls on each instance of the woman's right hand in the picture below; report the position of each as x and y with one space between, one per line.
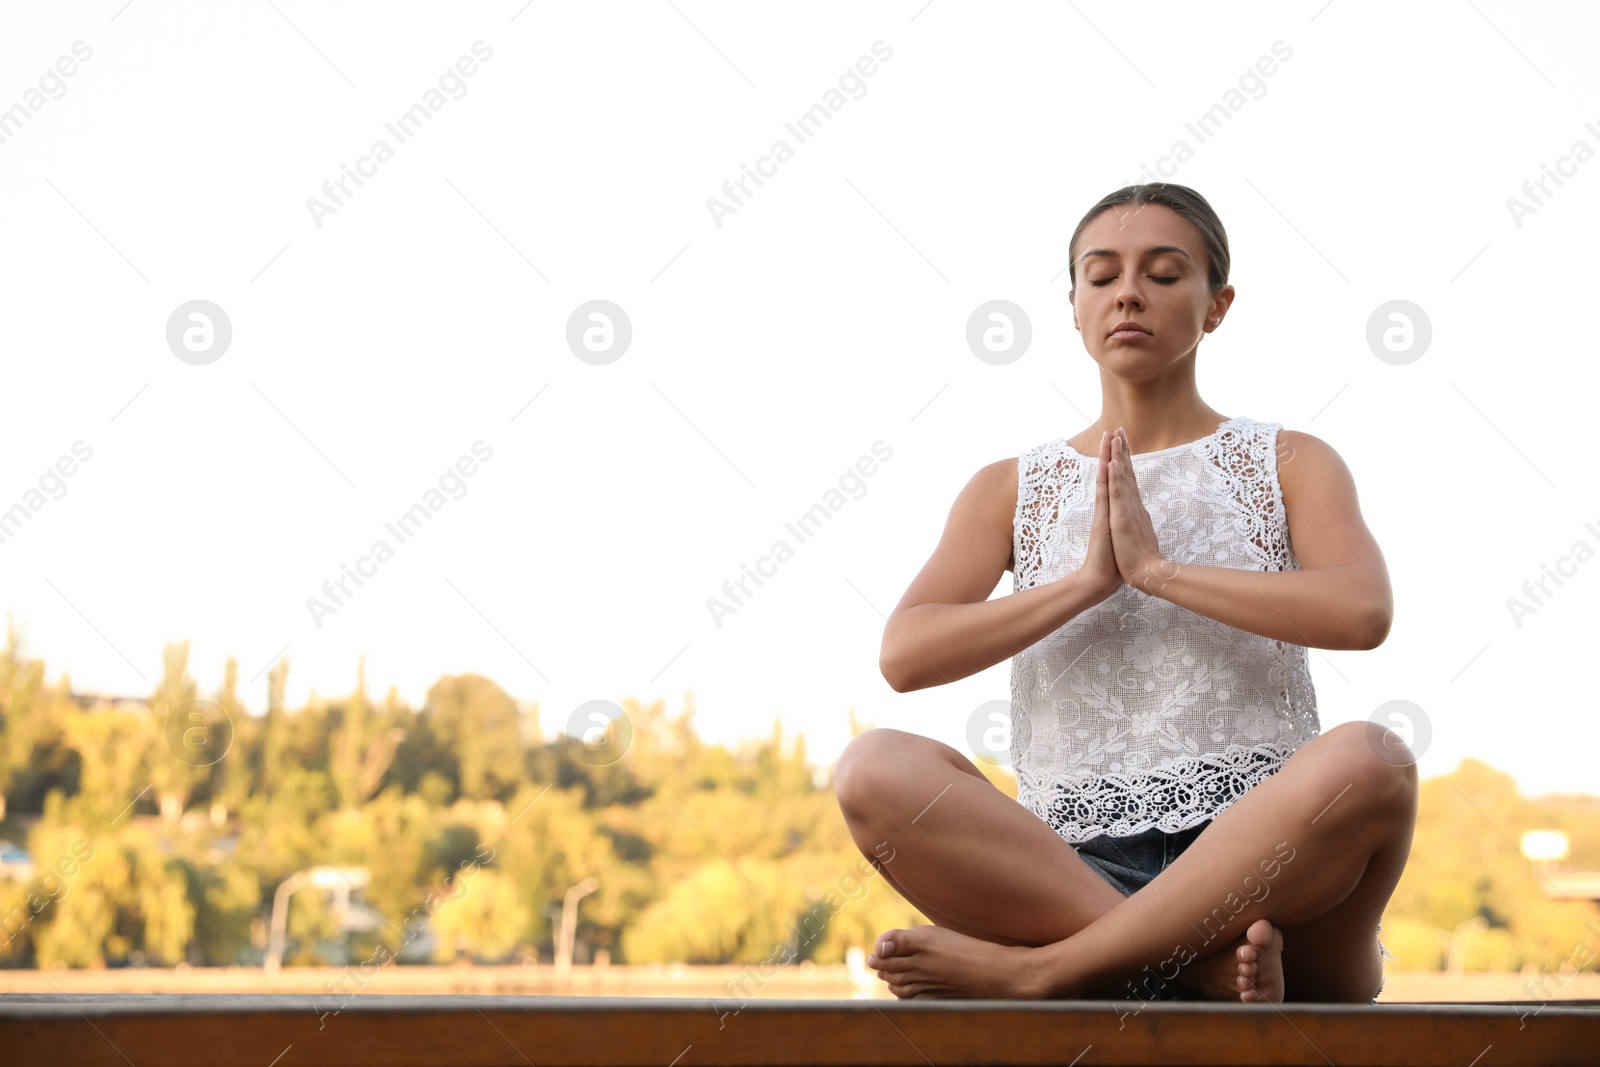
1099 570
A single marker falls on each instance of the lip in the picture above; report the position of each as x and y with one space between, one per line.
1125 330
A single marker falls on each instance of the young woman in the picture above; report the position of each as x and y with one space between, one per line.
1183 828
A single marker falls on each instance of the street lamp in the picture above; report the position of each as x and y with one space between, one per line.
569 922
337 878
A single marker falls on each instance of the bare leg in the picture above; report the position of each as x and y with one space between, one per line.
1316 849
977 863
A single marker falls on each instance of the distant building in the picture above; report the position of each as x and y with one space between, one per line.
15 862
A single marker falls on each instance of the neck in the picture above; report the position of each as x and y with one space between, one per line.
1157 412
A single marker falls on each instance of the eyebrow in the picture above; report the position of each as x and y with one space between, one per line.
1154 250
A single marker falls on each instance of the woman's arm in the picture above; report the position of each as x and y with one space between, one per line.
1339 598
945 627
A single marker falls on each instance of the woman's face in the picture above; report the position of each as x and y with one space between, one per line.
1146 265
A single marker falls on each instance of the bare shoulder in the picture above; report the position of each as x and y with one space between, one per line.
994 488
975 547
1319 496
1304 457
998 480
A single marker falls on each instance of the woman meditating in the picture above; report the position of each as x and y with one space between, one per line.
1183 830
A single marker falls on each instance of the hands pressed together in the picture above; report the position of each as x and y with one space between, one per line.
1122 539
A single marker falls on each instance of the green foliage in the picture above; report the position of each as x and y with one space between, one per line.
1415 945
473 827
225 897
1465 864
486 918
478 728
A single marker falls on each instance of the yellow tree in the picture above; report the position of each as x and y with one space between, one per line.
172 776
361 749
478 723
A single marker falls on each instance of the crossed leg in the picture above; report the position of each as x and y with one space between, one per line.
975 862
1017 913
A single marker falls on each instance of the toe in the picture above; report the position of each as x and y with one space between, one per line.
1261 933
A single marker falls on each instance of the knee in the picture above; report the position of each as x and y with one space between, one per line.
867 769
1376 761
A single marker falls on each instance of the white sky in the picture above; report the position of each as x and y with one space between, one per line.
827 313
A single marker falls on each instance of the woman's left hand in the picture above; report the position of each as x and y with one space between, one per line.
1133 536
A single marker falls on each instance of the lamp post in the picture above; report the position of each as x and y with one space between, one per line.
569 923
345 878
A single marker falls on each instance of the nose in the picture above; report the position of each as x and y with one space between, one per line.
1129 294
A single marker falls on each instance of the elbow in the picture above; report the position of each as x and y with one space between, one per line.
901 675
894 659
891 673
1376 628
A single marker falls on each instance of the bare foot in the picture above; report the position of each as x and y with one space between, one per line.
1214 977
931 961
1221 975
1261 964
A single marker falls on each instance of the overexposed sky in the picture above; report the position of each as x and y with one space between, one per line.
377 338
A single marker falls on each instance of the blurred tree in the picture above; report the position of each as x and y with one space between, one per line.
705 917
225 897
162 915
34 754
362 747
171 777
484 918
17 899
74 929
702 852
114 748
275 732
20 687
231 776
1465 863
1415 945
476 722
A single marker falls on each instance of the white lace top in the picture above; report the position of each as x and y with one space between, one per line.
1138 713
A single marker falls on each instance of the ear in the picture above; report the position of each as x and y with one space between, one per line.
1219 307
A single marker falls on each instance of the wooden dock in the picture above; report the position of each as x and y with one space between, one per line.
371 1030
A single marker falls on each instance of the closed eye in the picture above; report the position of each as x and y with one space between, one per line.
1154 278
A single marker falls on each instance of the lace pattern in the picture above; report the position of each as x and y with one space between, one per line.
1141 714
1185 793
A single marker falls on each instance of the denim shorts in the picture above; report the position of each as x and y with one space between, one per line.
1131 863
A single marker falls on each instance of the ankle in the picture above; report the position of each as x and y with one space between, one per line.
1056 972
